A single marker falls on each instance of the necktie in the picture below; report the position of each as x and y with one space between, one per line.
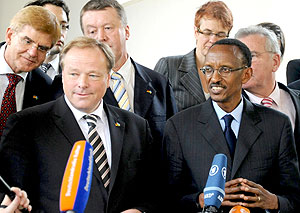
8 105
120 92
99 151
229 134
45 67
267 102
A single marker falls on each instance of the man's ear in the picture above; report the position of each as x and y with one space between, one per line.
8 35
247 74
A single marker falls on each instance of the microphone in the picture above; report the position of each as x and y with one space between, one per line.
76 183
214 189
9 193
239 209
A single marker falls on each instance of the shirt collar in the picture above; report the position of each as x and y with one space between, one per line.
275 95
236 113
124 70
5 68
79 114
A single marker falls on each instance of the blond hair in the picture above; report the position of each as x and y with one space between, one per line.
40 19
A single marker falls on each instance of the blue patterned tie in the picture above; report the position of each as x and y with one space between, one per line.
229 134
119 91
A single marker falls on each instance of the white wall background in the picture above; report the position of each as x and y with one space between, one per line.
165 27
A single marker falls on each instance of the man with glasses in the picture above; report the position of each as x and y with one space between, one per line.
213 21
262 167
60 9
262 88
32 32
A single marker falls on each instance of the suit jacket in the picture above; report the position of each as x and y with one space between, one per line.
183 75
153 98
37 87
295 96
265 153
35 149
295 85
293 71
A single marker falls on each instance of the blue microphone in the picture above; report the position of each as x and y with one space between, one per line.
76 184
214 189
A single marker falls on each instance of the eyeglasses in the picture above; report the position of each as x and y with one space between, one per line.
257 54
223 71
209 33
29 43
64 27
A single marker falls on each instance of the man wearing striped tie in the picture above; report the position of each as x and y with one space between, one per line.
37 142
262 88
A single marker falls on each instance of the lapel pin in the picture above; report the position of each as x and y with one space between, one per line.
117 124
149 91
35 97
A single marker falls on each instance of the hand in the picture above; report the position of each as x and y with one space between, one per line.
201 200
132 211
20 201
233 192
262 198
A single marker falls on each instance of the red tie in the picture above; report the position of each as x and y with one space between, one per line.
267 102
8 105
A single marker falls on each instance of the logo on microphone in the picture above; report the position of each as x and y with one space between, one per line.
213 170
224 172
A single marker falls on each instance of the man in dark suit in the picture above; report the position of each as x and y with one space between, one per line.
147 93
262 88
213 21
36 145
262 169
60 9
293 71
32 32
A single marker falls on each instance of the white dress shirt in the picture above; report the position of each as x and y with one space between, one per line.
20 88
102 126
54 69
282 102
128 73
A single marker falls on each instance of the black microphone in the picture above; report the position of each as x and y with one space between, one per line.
9 193
214 190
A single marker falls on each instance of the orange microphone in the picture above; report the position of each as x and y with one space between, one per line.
239 209
76 184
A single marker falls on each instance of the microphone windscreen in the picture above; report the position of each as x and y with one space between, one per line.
239 209
76 183
214 189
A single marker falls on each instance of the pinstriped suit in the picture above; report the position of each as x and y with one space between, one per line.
265 153
184 78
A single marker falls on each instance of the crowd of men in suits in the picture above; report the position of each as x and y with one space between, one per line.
153 158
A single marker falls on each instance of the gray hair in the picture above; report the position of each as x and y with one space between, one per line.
101 5
271 39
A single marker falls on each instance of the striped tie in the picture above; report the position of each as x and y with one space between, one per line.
120 92
267 102
99 151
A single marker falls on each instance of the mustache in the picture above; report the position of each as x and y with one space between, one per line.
217 84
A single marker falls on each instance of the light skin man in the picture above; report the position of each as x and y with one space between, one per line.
86 64
61 11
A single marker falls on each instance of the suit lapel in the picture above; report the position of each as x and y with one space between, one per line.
143 91
248 134
190 77
62 116
116 128
109 98
212 131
